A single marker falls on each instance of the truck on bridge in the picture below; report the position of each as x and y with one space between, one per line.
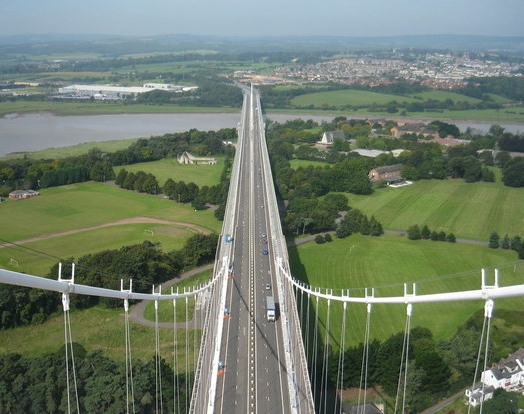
270 308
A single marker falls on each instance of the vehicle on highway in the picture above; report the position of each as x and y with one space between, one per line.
268 286
265 252
271 309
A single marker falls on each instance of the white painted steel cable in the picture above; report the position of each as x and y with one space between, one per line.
340 370
130 393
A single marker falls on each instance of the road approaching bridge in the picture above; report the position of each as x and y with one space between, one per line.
257 363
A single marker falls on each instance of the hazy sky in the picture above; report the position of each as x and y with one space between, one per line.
269 17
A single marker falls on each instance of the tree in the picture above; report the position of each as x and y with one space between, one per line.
120 178
436 372
505 242
502 402
451 238
319 239
102 171
375 227
336 202
150 185
425 233
414 232
488 175
512 175
494 240
502 158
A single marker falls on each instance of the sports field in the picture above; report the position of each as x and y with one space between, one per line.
94 217
386 263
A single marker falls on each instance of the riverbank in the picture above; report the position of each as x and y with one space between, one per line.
35 131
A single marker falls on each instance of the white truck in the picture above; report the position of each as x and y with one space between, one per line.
270 308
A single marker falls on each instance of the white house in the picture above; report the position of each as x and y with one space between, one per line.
507 374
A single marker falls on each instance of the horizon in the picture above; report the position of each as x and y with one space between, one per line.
275 18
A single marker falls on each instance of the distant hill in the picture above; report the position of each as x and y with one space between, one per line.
100 43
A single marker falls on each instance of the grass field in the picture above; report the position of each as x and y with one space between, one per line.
171 168
81 206
78 149
347 97
386 263
469 210
99 328
443 95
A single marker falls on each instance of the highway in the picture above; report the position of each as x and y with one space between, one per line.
252 377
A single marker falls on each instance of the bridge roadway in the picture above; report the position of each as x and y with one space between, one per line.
254 377
247 364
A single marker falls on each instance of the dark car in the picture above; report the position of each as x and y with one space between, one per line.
265 251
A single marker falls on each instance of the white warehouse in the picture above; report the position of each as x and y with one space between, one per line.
115 91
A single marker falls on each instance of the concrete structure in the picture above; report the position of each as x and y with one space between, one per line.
369 153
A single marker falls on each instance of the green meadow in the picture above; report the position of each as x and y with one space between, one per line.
171 168
100 328
83 209
469 210
385 264
347 97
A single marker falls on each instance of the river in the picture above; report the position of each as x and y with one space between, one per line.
37 131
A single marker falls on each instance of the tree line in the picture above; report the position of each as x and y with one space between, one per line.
146 264
179 191
27 173
507 243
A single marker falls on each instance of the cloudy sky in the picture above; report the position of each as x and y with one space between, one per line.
268 17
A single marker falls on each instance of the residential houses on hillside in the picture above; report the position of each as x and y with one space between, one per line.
507 374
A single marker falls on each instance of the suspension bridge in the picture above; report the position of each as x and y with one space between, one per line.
251 360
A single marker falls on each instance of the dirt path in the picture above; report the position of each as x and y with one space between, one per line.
134 220
136 314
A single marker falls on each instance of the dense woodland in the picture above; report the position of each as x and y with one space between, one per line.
38 385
